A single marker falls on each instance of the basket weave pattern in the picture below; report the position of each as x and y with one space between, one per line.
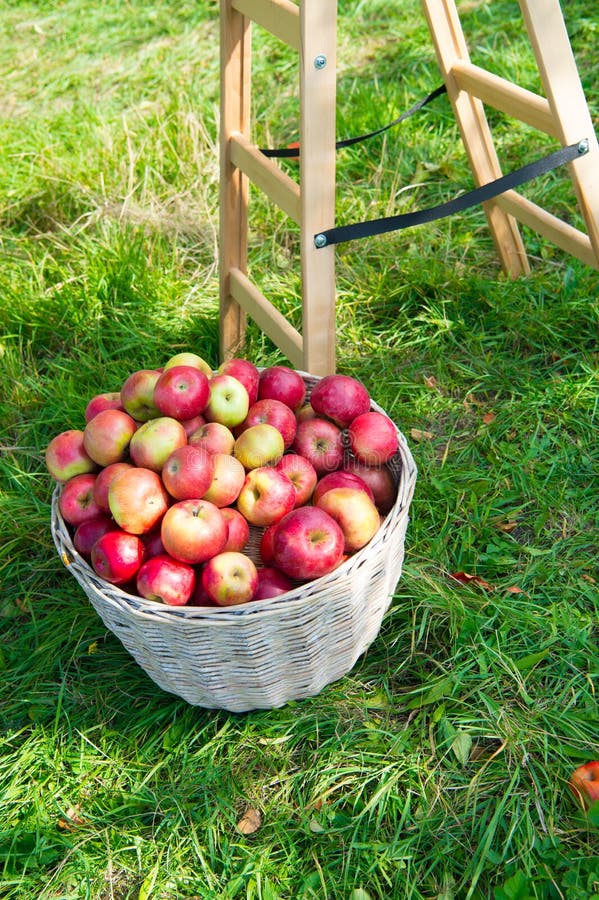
265 653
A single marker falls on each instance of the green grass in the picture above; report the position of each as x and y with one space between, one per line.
437 768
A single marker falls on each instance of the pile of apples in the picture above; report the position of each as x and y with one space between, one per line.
170 475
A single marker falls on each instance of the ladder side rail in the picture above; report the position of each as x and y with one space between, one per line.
272 322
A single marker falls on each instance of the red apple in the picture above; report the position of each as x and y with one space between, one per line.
193 531
166 580
189 359
227 480
192 425
266 496
373 438
117 556
259 445
228 402
88 533
107 436
137 394
199 596
230 578
181 392
321 442
246 372
584 783
305 412
108 400
238 529
308 543
340 398
76 502
66 456
272 583
155 440
380 481
284 384
354 512
137 499
153 542
213 437
275 413
267 544
103 479
302 474
340 478
188 472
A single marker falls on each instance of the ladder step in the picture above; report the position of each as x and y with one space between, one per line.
266 175
280 17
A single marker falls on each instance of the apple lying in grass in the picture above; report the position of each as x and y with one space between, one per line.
77 502
340 398
117 556
284 384
584 783
307 543
66 456
137 499
230 578
107 436
181 392
193 531
166 580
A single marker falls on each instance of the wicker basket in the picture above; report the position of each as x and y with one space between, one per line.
267 652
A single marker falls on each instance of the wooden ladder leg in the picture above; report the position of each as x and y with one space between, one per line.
450 45
235 77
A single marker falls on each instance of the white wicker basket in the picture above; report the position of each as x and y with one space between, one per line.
267 652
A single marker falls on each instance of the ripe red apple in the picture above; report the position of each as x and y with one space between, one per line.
266 496
584 783
88 533
193 531
192 425
66 456
230 578
238 529
108 400
340 478
166 580
246 372
155 440
137 499
271 583
267 544
189 359
228 402
117 556
302 474
153 542
321 442
137 394
199 596
380 481
181 392
259 445
340 398
76 502
284 384
275 413
213 437
227 480
188 472
354 512
103 479
107 436
373 438
308 543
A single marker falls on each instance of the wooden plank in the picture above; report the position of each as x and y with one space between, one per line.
266 175
280 17
267 317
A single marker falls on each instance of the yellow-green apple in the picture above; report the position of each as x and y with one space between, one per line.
275 413
189 359
228 402
584 783
137 499
106 437
266 496
66 456
272 583
137 394
340 478
321 442
308 543
246 372
230 578
166 580
193 531
107 400
373 438
187 472
181 392
155 440
117 556
380 481
103 479
238 529
354 512
340 398
227 480
306 411
89 531
265 547
213 437
284 384
259 445
302 474
76 502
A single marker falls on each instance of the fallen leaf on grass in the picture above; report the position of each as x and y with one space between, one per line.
72 820
430 381
489 417
507 527
514 589
466 578
420 435
250 822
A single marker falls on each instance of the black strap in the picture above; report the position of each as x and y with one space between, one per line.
294 152
458 204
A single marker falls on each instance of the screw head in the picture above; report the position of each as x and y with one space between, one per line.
320 241
583 146
320 61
